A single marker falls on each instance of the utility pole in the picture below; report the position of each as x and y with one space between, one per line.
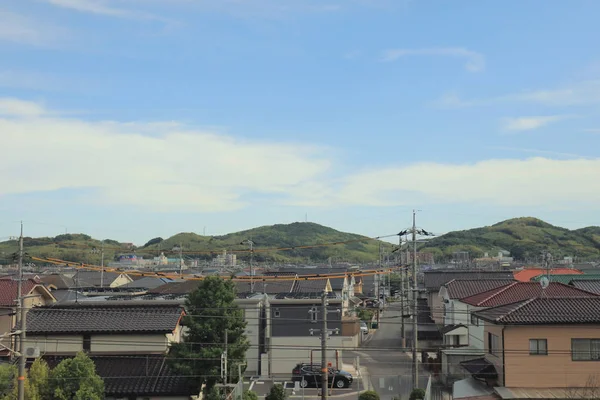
225 359
250 243
325 331
403 331
180 259
22 312
102 265
324 334
415 370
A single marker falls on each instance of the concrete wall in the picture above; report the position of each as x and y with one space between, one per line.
556 369
497 359
293 319
289 351
56 344
252 314
437 307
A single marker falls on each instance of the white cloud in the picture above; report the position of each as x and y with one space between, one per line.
17 28
475 61
19 108
530 123
159 166
577 94
103 7
541 182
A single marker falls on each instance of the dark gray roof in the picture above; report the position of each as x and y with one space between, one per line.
93 278
461 288
139 376
147 282
65 295
58 280
587 285
103 318
310 286
268 287
435 279
545 311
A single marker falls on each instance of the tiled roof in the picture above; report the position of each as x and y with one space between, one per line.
460 288
519 291
480 367
567 278
545 311
104 318
93 278
528 274
435 279
139 376
147 282
269 287
310 286
58 280
179 287
9 289
587 285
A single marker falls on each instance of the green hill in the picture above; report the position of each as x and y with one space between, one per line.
277 236
525 238
80 247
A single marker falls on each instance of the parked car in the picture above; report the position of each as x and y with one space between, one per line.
363 327
310 375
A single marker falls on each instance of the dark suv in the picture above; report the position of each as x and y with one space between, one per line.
310 375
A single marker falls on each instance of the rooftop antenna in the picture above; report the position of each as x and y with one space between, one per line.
545 280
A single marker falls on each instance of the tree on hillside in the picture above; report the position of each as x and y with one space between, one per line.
211 312
76 379
156 240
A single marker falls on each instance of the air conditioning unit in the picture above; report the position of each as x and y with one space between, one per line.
32 352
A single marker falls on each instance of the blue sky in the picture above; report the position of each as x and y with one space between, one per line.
131 119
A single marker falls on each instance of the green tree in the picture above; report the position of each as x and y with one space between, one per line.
8 377
368 395
417 394
76 379
36 385
211 312
249 395
277 392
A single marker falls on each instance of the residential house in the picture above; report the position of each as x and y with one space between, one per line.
540 348
456 318
138 378
36 294
433 280
110 328
294 335
592 286
465 307
146 282
527 274
567 278
88 279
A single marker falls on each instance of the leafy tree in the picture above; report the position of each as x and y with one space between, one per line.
249 395
211 312
8 375
156 240
368 395
417 394
277 392
36 385
76 379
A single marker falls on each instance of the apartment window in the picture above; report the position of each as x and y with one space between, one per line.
87 342
493 344
474 320
276 313
585 349
538 347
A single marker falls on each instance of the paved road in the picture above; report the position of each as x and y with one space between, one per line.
389 368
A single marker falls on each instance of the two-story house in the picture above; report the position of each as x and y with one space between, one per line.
540 348
506 294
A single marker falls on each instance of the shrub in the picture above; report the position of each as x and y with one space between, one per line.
417 394
368 395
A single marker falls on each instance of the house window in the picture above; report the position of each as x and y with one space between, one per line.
313 314
87 343
276 313
474 320
538 347
493 344
585 349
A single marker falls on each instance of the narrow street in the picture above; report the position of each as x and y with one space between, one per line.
390 369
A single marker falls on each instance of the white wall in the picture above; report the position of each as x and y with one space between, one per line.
118 344
252 317
289 351
56 344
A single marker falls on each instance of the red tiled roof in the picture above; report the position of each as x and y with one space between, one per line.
519 291
460 288
545 311
529 273
9 288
